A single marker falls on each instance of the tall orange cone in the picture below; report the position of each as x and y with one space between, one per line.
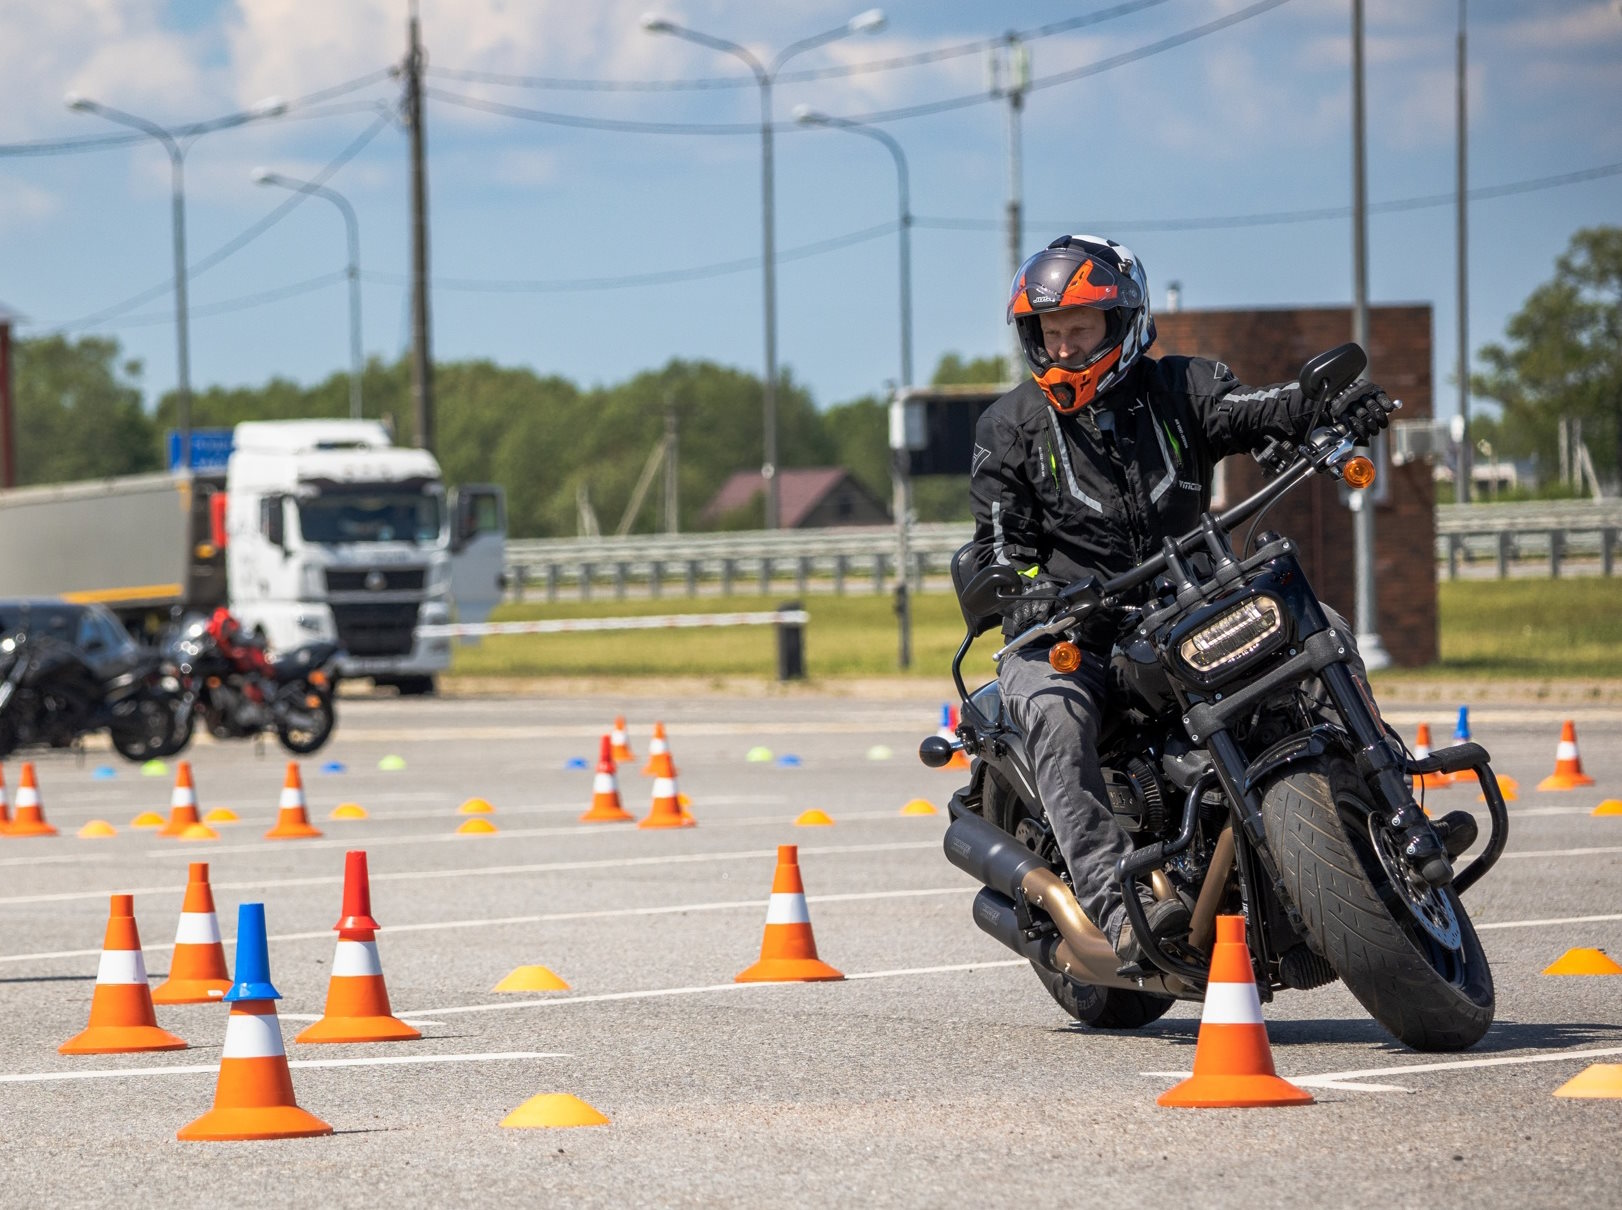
357 1000
197 973
30 817
121 1015
667 810
621 740
605 790
658 746
253 1097
1568 765
1422 749
1233 1064
182 802
292 821
788 951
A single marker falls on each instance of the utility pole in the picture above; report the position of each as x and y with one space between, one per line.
422 363
1466 458
1010 68
672 506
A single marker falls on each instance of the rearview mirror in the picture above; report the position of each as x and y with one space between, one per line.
1328 374
991 586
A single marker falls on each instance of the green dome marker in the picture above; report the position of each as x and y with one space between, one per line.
391 764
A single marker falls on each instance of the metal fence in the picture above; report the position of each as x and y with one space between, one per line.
1550 534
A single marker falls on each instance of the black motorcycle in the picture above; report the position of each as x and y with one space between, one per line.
1254 773
295 699
54 691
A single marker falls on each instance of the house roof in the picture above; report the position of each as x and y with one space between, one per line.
798 492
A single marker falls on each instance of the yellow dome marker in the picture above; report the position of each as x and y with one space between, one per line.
1584 962
199 831
531 979
1600 1081
813 819
1611 806
919 806
476 827
552 1109
348 810
222 815
476 806
97 829
147 819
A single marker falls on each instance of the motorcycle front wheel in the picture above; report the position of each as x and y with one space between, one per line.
305 728
1412 960
144 735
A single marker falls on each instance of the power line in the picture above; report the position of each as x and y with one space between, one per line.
702 83
241 303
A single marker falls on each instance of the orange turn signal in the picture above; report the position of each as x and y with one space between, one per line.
1064 657
318 677
313 702
1358 473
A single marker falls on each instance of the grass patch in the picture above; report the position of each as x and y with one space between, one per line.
1490 629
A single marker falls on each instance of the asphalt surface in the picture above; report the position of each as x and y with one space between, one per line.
938 1073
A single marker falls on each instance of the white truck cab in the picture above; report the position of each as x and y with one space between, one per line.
333 532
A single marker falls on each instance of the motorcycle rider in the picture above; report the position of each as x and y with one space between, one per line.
1086 468
246 652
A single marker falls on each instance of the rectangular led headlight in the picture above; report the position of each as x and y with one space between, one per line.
1232 636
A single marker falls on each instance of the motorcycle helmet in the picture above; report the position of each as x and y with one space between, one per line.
1082 271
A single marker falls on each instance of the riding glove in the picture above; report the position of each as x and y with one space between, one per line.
1363 409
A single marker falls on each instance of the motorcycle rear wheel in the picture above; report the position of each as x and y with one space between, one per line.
1415 963
1103 1007
143 737
301 741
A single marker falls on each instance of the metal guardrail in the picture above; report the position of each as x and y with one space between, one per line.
862 558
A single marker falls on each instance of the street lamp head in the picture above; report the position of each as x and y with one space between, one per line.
80 103
869 22
807 116
268 107
653 23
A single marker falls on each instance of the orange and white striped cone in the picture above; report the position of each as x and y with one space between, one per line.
122 1020
182 803
253 1097
1568 765
788 951
1422 749
197 973
5 804
1233 1064
621 741
605 790
948 732
292 819
30 817
658 746
357 998
667 811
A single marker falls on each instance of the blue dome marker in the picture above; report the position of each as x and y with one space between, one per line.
334 766
103 773
789 762
574 763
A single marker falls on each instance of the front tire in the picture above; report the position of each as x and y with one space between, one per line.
313 729
1414 962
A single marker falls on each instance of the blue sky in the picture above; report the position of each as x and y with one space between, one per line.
1253 119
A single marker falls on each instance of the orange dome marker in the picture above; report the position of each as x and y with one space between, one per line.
919 806
605 788
1599 1081
553 1109
30 817
198 831
788 951
658 747
97 829
253 1097
531 979
1422 749
476 806
1584 962
147 819
1507 786
348 810
1233 1064
197 973
357 999
1611 806
222 815
813 818
122 1020
667 810
182 802
476 826
620 741
293 820
1568 765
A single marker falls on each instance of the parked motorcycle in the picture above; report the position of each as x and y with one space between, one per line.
68 670
1254 773
293 698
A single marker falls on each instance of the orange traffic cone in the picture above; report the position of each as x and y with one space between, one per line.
121 1016
253 1097
621 741
788 951
292 821
30 817
658 747
357 999
197 973
1422 749
605 790
1568 766
1233 1064
182 803
5 803
667 810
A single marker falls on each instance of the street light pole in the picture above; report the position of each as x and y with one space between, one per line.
177 187
264 176
1465 470
765 74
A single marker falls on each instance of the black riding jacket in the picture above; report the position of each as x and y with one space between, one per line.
1101 488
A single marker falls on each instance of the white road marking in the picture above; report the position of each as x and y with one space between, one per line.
1563 852
119 1073
1527 924
1339 1078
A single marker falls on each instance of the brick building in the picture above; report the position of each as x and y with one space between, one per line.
1269 345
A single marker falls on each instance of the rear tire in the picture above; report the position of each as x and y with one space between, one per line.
1103 1007
1428 993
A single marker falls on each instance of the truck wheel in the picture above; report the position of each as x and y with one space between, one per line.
416 686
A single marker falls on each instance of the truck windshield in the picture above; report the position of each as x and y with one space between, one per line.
371 517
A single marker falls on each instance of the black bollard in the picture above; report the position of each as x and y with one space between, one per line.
790 645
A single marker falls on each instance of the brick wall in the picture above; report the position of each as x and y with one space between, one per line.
1269 345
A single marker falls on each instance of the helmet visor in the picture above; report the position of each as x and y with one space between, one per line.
1070 277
